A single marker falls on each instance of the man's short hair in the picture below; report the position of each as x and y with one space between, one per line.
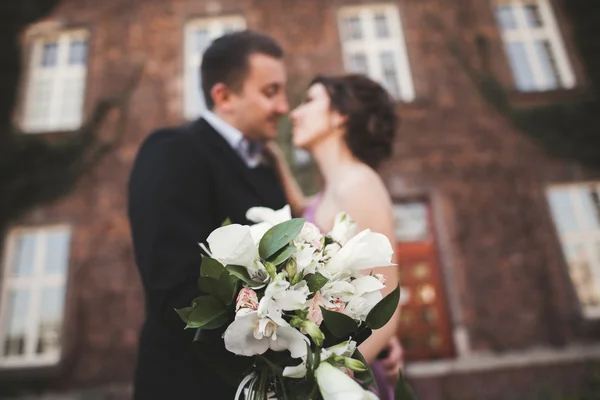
227 60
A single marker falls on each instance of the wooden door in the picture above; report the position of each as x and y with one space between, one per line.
425 330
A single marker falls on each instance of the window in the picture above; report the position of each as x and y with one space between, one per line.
33 295
534 45
373 44
56 83
576 214
199 34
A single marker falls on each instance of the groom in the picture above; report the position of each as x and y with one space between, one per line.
185 182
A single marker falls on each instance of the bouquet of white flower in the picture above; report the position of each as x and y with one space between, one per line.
294 304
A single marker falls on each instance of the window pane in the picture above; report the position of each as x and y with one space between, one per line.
201 40
39 103
357 63
24 255
411 222
389 74
51 317
581 274
591 207
49 55
520 66
78 52
506 17
16 309
548 63
381 26
533 15
57 253
352 28
562 210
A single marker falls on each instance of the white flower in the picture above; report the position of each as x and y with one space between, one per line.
366 284
310 234
314 307
298 371
344 349
343 228
280 297
250 335
364 251
258 230
359 306
331 250
233 245
271 217
336 385
304 257
338 290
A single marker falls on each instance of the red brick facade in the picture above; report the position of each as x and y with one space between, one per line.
507 285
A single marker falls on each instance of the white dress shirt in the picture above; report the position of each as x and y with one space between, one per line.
249 152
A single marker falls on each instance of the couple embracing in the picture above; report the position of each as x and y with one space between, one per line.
187 180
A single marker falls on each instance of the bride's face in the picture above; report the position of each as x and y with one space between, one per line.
312 119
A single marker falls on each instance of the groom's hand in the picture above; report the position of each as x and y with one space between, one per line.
394 362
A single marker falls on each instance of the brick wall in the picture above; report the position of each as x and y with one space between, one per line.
507 273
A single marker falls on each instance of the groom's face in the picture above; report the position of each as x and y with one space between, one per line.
260 103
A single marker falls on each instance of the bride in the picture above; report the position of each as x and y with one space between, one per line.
348 124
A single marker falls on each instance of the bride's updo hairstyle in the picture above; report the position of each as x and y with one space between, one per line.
371 120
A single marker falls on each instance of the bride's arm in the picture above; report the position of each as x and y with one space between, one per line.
295 198
371 208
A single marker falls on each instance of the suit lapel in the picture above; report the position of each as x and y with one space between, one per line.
205 135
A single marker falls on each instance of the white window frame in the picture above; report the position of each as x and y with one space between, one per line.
589 238
193 108
372 46
527 35
35 284
56 76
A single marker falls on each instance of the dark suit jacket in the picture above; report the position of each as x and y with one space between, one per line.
185 182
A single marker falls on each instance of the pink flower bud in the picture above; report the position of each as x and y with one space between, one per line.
314 311
246 298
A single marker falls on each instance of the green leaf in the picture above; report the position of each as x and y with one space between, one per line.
211 268
184 313
228 285
383 311
340 325
222 288
217 322
366 378
315 282
209 285
206 310
242 274
403 391
284 254
279 236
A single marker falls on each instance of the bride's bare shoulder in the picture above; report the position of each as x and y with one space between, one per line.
361 177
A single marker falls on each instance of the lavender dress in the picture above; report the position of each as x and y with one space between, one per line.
385 391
